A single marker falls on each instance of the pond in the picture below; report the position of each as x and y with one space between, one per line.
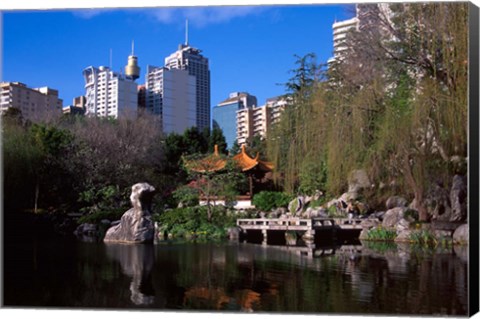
236 277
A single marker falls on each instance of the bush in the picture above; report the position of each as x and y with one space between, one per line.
266 201
186 195
192 222
381 234
423 237
96 217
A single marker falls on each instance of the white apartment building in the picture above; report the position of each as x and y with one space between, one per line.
171 94
190 59
340 31
109 94
275 106
368 16
257 121
34 103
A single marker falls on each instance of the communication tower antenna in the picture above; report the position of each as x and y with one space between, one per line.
110 59
133 47
186 32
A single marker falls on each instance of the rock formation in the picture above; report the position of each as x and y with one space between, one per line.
136 225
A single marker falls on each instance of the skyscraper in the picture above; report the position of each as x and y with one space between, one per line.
190 59
225 114
171 94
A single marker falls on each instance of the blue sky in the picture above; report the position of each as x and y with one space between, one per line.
250 48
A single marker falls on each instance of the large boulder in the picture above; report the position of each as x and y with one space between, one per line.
358 180
393 216
460 236
458 199
136 225
396 201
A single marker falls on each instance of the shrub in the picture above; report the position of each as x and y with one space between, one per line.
186 195
96 217
192 222
381 234
266 201
423 237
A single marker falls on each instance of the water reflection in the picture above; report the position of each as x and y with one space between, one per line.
370 278
137 262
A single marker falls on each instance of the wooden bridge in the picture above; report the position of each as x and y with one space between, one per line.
306 226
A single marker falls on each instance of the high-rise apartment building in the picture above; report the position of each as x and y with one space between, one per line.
171 94
111 94
34 103
224 114
257 121
190 59
340 31
369 16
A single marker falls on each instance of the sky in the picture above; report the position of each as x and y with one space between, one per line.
250 48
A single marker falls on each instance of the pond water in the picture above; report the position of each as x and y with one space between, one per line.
235 277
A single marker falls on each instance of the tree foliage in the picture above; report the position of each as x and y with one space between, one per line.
396 105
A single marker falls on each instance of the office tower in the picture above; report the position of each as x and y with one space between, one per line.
190 59
171 94
224 114
34 103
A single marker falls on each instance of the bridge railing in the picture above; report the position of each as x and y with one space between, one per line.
265 222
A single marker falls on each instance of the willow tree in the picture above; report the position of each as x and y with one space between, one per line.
292 138
420 125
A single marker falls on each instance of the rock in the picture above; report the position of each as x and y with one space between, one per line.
458 198
274 214
349 196
378 215
308 212
86 229
369 223
438 203
403 236
234 233
396 201
442 234
136 225
393 216
280 210
358 180
460 236
363 234
402 225
296 205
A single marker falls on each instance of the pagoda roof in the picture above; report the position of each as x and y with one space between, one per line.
215 162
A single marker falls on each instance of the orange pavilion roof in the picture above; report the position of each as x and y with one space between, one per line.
215 162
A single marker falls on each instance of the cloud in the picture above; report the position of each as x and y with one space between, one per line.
203 16
197 16
89 13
